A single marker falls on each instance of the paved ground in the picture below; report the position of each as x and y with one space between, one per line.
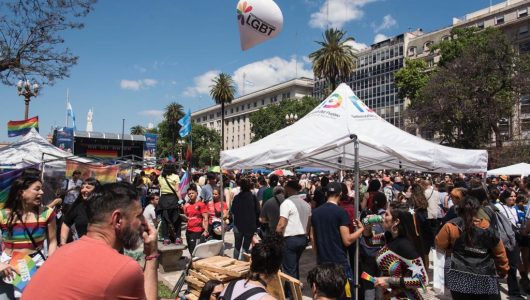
307 262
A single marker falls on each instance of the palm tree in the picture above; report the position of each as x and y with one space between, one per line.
138 130
173 113
222 91
335 59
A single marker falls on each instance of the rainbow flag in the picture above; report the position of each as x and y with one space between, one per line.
6 179
16 128
25 267
184 184
368 277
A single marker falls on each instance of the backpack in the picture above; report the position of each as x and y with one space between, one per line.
246 295
502 227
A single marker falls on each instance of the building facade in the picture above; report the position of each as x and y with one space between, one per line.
237 114
512 18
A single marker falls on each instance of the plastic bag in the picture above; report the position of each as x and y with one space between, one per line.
438 274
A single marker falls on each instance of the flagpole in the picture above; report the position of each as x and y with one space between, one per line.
67 101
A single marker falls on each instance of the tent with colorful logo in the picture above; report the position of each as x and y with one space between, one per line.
345 134
335 125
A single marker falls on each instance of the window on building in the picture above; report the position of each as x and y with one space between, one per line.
499 20
211 116
255 104
525 124
427 46
204 118
248 106
523 30
274 98
231 110
412 51
524 48
262 101
480 25
523 12
445 38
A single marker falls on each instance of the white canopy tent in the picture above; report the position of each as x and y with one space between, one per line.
325 136
343 133
32 149
522 169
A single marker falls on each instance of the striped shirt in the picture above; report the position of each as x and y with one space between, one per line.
19 239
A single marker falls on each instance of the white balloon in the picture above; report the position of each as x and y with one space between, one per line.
259 21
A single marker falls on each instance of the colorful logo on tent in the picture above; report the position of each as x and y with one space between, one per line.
334 101
243 8
359 105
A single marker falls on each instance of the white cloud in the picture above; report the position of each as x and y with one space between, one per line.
259 75
379 38
336 13
267 72
136 85
387 23
357 46
202 84
153 113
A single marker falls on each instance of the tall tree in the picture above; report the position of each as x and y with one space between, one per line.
138 130
31 45
206 146
335 59
478 83
270 119
174 111
222 91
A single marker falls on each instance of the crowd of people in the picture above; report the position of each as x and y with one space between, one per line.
76 241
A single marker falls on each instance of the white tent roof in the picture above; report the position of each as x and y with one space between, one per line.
517 169
28 151
325 134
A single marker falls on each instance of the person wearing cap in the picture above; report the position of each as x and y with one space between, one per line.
293 224
330 233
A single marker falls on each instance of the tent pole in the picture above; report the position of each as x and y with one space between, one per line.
357 214
222 192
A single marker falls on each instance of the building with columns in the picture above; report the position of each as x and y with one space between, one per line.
237 113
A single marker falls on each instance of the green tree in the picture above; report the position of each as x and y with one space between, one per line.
172 114
477 84
412 78
222 91
31 45
335 59
138 130
206 146
270 119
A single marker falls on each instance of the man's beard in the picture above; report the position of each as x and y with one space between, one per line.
129 238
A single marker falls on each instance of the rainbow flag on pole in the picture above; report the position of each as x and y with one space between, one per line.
16 128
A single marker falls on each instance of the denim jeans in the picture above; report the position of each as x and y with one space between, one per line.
293 247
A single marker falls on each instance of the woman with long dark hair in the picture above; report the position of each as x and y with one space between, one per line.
266 259
26 224
477 254
78 213
368 199
400 259
418 202
168 206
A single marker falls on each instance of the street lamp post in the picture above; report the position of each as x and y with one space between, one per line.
27 90
291 118
211 156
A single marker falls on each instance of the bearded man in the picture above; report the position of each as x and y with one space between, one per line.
92 267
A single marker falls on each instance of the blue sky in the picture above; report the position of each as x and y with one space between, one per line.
135 57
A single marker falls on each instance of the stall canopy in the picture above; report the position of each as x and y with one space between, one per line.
324 139
517 169
29 150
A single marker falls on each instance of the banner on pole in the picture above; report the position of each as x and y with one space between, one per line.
65 139
150 146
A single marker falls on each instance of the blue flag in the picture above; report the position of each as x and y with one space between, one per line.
185 124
